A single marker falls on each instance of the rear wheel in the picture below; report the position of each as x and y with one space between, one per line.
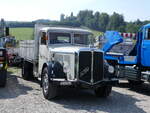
3 78
103 91
49 89
27 71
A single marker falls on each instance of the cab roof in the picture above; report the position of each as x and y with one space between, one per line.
147 26
66 29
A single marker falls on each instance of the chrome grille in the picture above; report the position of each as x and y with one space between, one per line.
91 66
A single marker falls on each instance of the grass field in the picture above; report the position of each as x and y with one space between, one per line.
96 33
22 33
27 33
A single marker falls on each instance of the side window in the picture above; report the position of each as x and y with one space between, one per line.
80 39
59 38
148 34
43 38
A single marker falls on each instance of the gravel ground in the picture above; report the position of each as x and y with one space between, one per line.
20 96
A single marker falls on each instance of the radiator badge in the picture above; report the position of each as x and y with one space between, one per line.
84 71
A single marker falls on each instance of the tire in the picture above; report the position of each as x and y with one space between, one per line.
27 71
103 91
132 82
3 78
49 90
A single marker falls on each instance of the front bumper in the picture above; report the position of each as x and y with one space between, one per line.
82 84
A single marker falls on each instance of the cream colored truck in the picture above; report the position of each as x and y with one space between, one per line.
65 57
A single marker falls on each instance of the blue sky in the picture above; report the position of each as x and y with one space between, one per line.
27 10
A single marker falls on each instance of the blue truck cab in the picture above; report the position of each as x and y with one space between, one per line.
135 66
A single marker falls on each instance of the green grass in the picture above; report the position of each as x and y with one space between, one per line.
27 33
22 33
96 33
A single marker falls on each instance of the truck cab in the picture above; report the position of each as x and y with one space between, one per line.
65 57
144 45
136 65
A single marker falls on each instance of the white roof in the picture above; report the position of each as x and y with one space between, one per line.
65 29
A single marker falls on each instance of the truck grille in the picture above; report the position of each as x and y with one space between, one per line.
90 66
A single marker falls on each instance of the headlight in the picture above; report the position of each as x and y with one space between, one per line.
1 65
1 53
111 69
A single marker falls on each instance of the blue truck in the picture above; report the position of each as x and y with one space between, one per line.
135 66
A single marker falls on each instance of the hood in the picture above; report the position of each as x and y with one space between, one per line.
70 49
113 38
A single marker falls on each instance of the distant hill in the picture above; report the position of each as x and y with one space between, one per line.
25 23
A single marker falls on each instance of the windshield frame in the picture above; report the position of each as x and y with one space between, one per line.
72 38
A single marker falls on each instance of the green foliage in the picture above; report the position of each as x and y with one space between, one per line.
103 21
135 26
98 21
132 28
22 33
85 17
116 22
96 33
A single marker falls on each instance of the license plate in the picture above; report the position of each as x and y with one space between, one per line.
65 83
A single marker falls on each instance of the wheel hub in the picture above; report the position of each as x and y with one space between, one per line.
45 83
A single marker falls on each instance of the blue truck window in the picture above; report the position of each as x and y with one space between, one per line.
147 34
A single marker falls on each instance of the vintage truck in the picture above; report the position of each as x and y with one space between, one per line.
134 66
64 57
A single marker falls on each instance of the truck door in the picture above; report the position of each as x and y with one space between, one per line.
145 49
43 51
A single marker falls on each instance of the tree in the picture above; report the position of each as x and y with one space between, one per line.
85 17
62 17
96 21
116 22
132 27
103 21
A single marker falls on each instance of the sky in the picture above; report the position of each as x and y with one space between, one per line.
29 10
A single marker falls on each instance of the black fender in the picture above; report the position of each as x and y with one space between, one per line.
55 70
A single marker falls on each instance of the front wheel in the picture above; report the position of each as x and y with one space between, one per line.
103 91
3 78
49 89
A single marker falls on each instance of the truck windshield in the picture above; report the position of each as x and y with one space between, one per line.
59 38
83 39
